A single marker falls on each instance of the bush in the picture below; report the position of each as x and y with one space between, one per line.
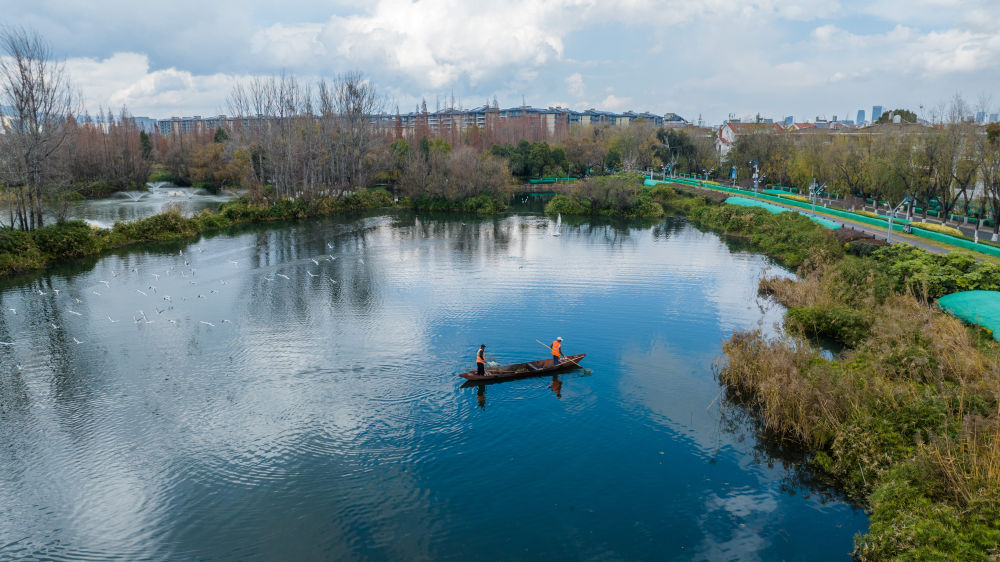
68 240
565 205
939 228
838 323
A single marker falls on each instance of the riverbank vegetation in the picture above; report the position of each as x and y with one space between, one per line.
619 195
906 418
23 251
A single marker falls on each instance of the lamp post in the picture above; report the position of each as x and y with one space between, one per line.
756 178
892 217
814 193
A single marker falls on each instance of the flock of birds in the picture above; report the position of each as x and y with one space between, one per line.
148 289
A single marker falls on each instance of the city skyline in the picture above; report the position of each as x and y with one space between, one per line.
773 57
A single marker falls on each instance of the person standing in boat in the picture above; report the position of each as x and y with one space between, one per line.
556 351
481 360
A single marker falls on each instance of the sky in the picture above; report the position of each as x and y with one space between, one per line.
708 58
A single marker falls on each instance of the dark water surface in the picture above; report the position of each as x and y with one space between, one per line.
279 409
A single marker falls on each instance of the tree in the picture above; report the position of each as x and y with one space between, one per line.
37 89
906 116
147 145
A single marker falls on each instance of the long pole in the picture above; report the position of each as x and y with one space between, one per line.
552 350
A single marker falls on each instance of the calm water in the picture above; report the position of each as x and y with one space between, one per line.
278 408
131 205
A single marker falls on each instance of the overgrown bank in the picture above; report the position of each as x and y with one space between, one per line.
906 419
22 251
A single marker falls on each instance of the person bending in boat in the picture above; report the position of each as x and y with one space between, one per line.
556 351
481 360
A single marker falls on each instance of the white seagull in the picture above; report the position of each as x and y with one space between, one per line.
141 293
207 323
112 321
76 341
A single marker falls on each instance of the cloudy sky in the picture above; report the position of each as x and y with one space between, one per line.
805 58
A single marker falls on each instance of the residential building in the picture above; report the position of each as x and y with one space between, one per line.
731 130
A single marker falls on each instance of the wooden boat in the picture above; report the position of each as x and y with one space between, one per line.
523 370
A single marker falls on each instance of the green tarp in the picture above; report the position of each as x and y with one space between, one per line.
976 307
744 202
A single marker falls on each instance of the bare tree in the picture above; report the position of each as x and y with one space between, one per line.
38 90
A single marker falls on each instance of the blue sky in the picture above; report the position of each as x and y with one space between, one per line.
805 58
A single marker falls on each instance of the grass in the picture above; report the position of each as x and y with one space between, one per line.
907 419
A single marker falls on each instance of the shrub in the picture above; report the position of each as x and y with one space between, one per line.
565 205
939 228
68 240
838 323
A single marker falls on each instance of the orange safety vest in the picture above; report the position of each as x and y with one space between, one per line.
481 356
557 348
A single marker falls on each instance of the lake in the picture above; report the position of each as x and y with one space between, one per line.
289 392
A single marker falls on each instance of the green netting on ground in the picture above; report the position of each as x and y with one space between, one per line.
976 307
744 202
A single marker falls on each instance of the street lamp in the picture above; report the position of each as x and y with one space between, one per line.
892 217
814 193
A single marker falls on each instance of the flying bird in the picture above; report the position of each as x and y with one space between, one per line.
76 341
311 274
112 321
74 312
314 261
207 323
282 276
141 293
106 284
96 293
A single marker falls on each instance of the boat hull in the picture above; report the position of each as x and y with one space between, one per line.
523 370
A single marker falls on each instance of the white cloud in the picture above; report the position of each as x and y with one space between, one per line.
125 79
574 83
615 103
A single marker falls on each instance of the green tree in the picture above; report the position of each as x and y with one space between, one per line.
220 136
147 145
905 115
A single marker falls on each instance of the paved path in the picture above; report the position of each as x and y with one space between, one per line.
880 233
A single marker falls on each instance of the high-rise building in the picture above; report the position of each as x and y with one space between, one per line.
789 119
980 117
994 117
876 112
861 117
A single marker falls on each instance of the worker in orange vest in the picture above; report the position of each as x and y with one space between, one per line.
556 351
481 360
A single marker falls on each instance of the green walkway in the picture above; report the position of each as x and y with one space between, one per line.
744 202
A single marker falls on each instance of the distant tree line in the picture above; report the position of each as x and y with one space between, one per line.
288 139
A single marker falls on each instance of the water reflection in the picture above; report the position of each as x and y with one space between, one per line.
131 205
303 373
